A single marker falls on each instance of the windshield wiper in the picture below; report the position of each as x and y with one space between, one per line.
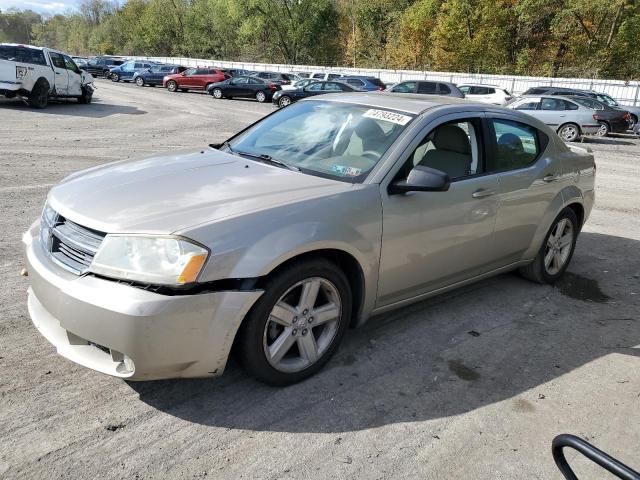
268 159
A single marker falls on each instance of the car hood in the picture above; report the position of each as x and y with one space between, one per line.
169 194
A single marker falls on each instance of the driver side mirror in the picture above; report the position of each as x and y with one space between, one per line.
421 179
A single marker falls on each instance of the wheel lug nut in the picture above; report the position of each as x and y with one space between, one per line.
295 319
304 332
310 319
305 311
294 331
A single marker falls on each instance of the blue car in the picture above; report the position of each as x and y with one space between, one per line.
155 75
361 82
128 69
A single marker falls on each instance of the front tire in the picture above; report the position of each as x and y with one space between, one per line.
115 77
86 97
284 101
172 86
296 326
217 93
140 81
261 97
556 251
569 132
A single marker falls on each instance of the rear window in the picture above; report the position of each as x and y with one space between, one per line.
333 75
427 87
442 88
22 54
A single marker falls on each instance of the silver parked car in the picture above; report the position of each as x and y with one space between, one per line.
570 118
311 220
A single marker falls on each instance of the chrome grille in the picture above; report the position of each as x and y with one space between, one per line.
70 245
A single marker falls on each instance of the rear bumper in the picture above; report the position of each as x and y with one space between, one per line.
128 332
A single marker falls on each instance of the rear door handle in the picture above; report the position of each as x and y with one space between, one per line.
482 193
550 178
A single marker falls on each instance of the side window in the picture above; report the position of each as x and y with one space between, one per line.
428 88
318 75
443 89
355 82
570 105
491 91
255 81
516 145
452 148
29 55
7 52
527 104
333 76
406 87
241 81
332 87
190 71
316 87
138 65
70 65
466 89
552 104
57 60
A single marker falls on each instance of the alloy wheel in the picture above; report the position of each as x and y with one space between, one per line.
603 130
285 101
140 82
261 97
217 93
172 86
558 248
569 133
302 325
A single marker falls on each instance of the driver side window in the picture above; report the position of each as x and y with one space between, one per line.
452 148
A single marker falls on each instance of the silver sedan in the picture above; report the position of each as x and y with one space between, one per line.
309 221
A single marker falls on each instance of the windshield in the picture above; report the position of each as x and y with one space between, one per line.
328 139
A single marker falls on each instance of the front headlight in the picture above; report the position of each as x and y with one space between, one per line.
149 259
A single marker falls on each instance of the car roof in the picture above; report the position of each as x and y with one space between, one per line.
471 84
406 102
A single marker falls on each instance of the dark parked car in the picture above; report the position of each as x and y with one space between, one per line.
370 84
154 75
611 120
128 69
277 77
634 111
247 87
101 66
282 98
235 72
427 87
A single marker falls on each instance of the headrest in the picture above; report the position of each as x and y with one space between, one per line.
511 140
452 138
368 128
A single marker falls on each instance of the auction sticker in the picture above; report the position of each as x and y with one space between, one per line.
349 171
387 116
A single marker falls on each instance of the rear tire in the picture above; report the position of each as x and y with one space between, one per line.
39 96
604 130
260 332
217 93
569 132
172 86
552 261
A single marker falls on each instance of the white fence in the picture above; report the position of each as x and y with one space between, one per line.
627 93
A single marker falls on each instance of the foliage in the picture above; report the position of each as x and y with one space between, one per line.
528 37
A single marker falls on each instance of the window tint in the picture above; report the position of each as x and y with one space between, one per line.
377 82
557 104
332 87
589 103
466 89
535 91
202 71
355 82
318 75
57 60
255 81
406 87
527 104
70 65
240 81
427 88
316 87
333 76
516 145
22 54
138 65
443 89
452 148
190 71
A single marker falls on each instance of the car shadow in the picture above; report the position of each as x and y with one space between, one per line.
71 107
608 140
449 355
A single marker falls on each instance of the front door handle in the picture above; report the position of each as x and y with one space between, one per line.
550 178
482 193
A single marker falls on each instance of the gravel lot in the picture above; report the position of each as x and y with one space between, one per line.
412 395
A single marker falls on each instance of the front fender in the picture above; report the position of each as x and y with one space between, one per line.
254 244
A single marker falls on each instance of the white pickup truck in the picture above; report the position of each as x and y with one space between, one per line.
37 74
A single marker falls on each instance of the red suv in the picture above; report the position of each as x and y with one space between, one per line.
198 78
